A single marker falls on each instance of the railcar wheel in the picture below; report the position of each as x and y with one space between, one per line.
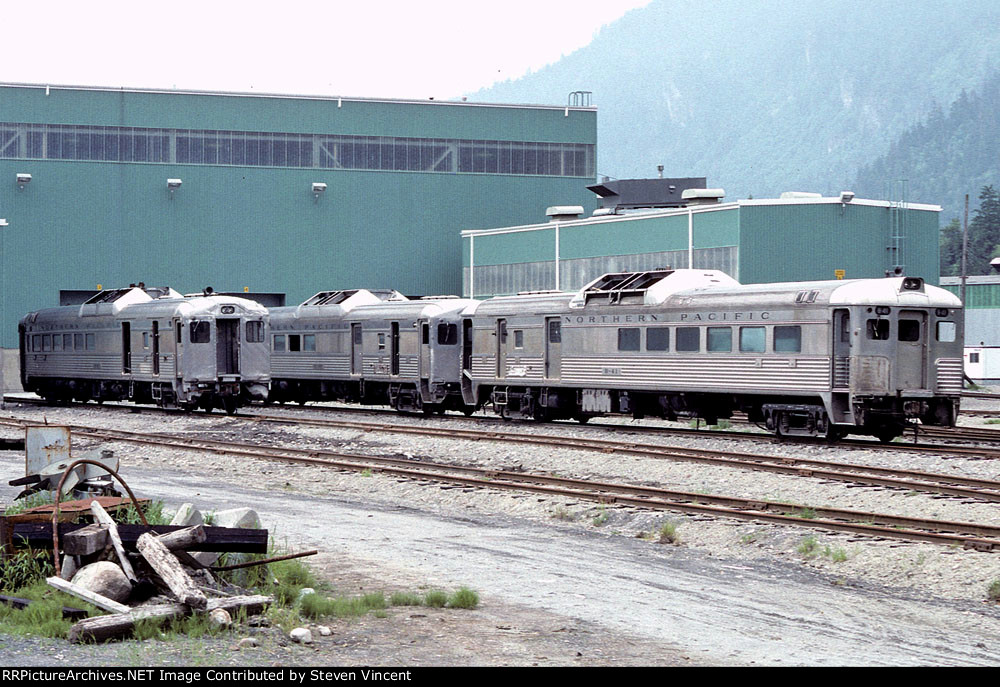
230 404
468 411
887 435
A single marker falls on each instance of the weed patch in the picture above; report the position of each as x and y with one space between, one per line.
463 598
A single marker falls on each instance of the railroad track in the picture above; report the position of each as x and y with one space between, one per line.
969 535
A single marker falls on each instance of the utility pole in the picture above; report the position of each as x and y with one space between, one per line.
965 248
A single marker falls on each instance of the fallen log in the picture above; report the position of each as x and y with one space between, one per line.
181 540
105 627
79 592
170 570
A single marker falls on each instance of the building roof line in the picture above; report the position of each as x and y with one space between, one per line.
289 96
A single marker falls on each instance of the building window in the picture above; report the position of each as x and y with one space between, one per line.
277 149
974 357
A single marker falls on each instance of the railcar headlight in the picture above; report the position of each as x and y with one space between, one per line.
913 284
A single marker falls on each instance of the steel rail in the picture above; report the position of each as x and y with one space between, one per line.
944 532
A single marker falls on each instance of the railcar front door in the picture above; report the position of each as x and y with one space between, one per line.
501 349
356 349
394 348
911 350
841 349
553 347
227 346
425 349
156 348
126 347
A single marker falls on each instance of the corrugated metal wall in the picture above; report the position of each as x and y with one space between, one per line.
79 224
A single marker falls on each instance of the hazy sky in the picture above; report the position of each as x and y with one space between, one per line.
391 49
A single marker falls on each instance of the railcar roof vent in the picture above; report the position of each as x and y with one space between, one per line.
647 288
349 299
111 301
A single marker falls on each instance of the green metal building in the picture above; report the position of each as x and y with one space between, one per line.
754 241
265 193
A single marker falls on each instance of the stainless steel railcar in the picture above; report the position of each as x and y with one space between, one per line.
148 345
814 358
369 346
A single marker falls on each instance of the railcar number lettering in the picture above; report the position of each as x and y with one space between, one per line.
613 371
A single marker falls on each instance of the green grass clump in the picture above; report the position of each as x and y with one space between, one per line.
993 592
668 533
837 555
152 510
405 599
25 568
808 546
43 618
463 598
317 606
601 517
435 599
39 498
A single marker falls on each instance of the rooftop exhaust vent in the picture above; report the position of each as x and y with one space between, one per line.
561 213
791 195
703 196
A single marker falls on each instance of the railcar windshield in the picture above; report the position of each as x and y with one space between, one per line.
201 332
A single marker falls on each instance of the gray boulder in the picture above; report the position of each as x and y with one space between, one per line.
104 578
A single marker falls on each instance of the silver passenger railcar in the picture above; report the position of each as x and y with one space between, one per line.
813 358
369 346
149 345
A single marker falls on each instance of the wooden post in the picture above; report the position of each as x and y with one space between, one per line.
183 539
103 518
169 568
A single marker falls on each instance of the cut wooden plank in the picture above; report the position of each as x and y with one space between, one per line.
102 602
38 535
103 518
101 628
170 570
85 541
67 611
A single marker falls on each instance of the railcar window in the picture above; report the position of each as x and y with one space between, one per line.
720 339
658 339
67 342
145 339
78 342
845 329
789 339
555 331
36 342
518 338
946 332
255 331
279 343
752 339
628 338
688 339
294 343
357 335
908 330
308 342
425 333
201 332
57 342
448 334
878 330
381 342
91 343
46 342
